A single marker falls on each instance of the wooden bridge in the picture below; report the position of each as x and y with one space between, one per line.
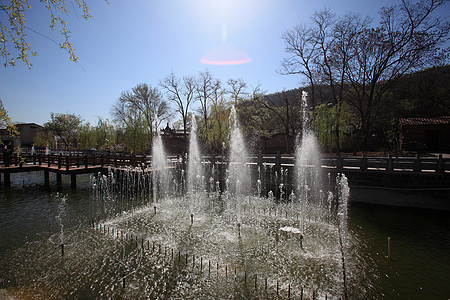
361 170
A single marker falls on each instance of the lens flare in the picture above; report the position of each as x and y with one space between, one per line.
225 54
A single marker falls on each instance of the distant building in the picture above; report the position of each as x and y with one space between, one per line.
430 134
173 140
277 143
27 133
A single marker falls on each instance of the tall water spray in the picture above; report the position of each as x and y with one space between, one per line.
307 164
238 175
159 167
195 173
343 193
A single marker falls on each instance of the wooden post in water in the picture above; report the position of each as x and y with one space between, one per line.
390 165
58 181
339 163
278 162
7 179
440 165
47 179
68 162
417 165
73 181
363 166
389 246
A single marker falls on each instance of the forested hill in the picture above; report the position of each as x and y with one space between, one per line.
421 94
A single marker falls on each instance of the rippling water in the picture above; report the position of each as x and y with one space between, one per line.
178 259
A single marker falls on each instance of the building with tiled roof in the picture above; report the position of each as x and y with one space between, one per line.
425 134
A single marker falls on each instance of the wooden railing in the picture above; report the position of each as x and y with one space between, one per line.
363 163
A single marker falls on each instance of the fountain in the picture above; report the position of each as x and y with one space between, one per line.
182 236
195 172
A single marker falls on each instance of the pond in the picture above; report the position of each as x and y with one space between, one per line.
151 249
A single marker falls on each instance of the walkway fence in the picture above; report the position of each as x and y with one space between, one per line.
389 163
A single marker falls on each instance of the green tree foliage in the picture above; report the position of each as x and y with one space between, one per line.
14 44
101 137
65 127
216 137
136 136
5 122
325 122
43 138
256 121
139 112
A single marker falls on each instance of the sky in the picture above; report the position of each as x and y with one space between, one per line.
140 41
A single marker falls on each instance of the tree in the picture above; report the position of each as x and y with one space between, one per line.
145 100
325 122
302 49
408 39
13 33
321 53
361 63
5 122
43 138
218 123
237 88
283 110
132 126
65 127
103 136
86 137
206 87
180 92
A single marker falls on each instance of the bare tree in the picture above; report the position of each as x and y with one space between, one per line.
283 112
335 39
206 87
408 39
360 63
180 92
237 90
302 49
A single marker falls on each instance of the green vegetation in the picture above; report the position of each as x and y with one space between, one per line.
5 122
361 78
65 127
420 94
14 44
